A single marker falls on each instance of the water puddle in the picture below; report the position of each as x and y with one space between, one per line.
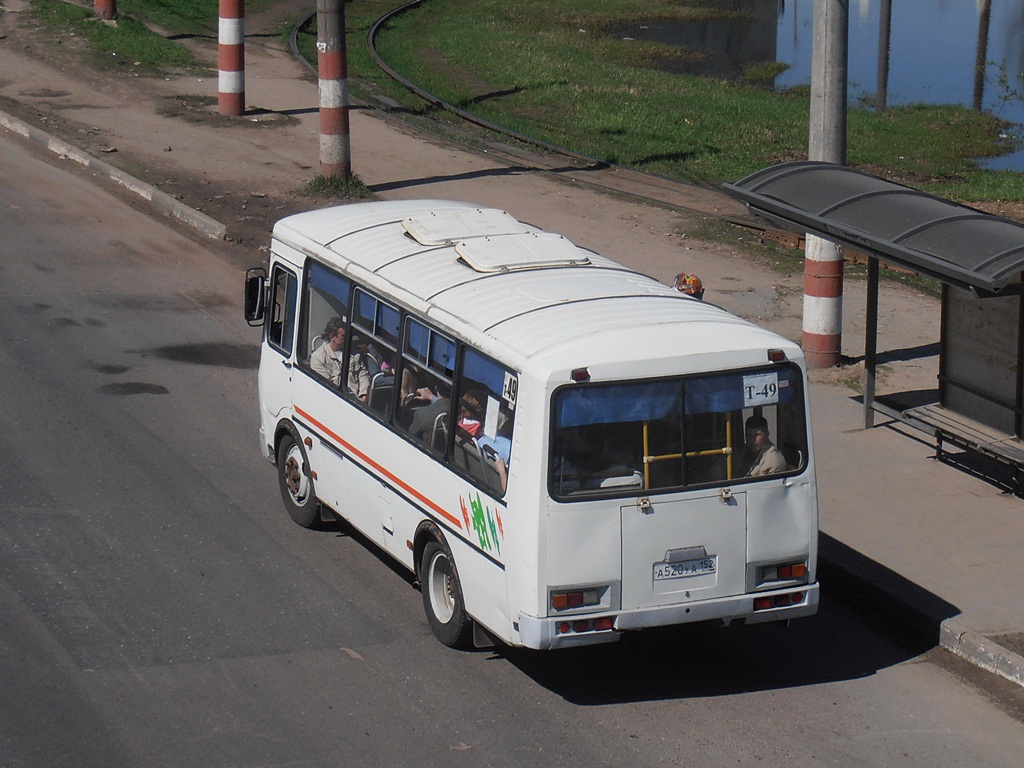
967 52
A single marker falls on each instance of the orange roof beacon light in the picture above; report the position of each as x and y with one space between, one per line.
690 285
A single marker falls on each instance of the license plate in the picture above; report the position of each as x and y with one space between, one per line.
685 568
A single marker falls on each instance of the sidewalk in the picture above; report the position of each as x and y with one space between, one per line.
935 546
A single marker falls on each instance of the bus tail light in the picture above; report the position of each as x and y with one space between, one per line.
778 601
579 626
795 571
582 598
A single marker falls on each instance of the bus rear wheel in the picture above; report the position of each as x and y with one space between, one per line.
442 596
296 484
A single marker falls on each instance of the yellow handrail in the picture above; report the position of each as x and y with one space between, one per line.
726 451
728 444
647 464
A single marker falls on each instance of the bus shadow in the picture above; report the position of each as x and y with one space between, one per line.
701 661
853 636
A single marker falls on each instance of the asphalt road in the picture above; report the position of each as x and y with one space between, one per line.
157 608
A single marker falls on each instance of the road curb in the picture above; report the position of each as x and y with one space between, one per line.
865 583
164 202
981 651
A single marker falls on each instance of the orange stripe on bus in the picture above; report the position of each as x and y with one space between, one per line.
405 486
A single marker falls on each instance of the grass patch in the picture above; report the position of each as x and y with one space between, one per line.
183 17
764 73
553 73
127 43
352 188
199 18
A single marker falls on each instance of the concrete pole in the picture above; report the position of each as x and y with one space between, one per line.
105 9
884 33
823 264
231 58
984 18
332 67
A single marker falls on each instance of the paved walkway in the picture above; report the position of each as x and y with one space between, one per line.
938 547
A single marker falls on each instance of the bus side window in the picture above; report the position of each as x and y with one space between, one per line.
280 330
326 309
375 328
486 414
426 369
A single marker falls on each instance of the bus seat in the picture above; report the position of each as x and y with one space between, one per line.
469 456
794 456
438 440
381 390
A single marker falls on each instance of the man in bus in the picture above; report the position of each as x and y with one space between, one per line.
326 360
435 403
766 458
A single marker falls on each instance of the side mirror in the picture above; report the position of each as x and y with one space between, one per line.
255 295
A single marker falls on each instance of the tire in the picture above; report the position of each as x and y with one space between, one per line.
442 596
296 484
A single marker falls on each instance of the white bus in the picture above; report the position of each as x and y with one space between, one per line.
559 449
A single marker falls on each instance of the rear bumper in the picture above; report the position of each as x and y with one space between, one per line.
542 632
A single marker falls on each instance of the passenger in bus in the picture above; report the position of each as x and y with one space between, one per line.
497 450
435 403
766 459
374 360
471 413
493 450
408 403
411 383
326 360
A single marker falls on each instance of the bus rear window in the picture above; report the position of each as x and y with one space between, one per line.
712 429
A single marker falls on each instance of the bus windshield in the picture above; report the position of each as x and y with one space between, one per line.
670 434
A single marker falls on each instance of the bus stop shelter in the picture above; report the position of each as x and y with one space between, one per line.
979 259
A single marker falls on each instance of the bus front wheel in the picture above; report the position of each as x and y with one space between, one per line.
442 596
296 484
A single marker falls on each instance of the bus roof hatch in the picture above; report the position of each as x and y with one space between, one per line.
449 225
533 250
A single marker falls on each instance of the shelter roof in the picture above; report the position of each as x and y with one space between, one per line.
945 240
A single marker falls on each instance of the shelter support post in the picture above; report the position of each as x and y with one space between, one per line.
870 343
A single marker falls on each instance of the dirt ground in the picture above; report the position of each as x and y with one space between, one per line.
248 172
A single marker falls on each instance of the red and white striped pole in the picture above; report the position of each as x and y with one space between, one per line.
823 303
105 9
231 58
823 260
332 67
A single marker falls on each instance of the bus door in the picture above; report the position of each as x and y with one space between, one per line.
691 548
275 374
